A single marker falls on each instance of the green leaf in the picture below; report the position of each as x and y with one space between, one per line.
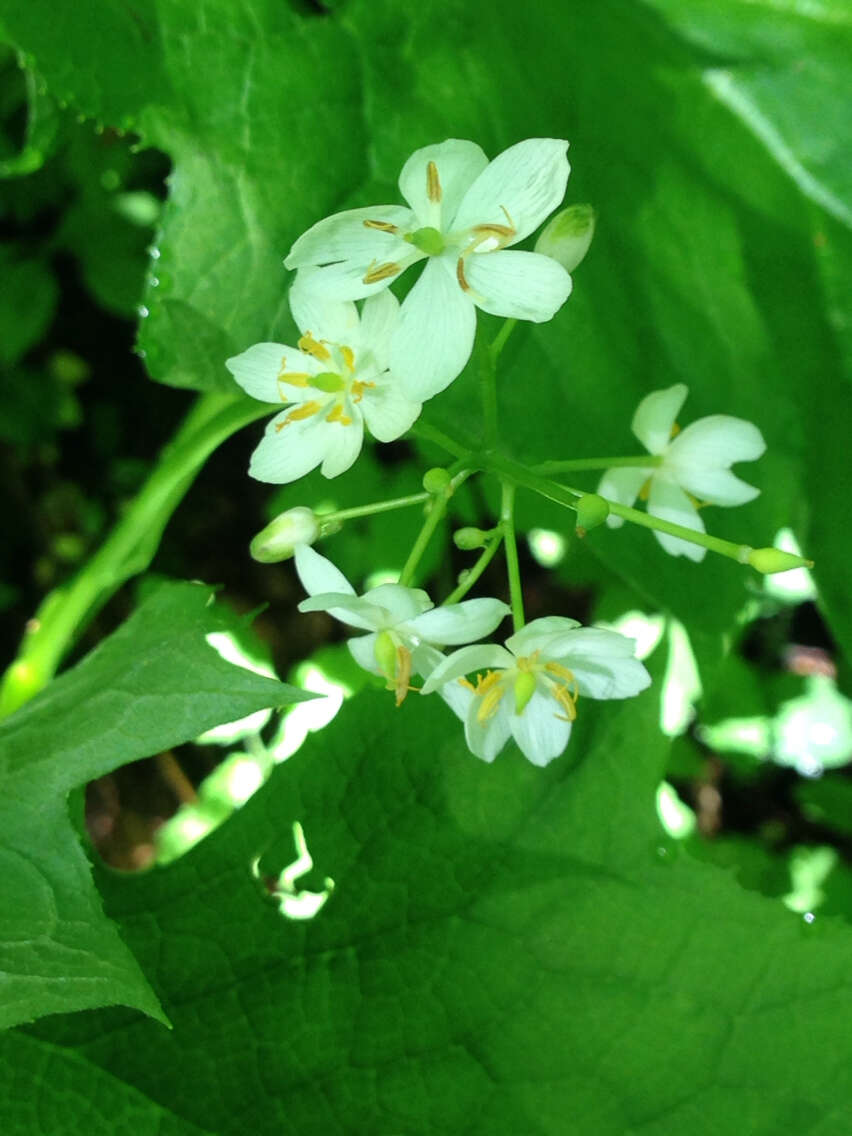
153 684
26 306
504 947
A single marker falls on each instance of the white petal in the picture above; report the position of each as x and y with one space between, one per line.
288 454
655 415
387 411
517 285
486 739
354 610
257 370
363 650
540 733
334 320
622 485
401 604
527 181
457 696
461 622
668 501
539 631
434 336
596 643
716 486
317 573
458 163
610 678
345 281
716 442
345 237
379 317
481 657
424 659
345 445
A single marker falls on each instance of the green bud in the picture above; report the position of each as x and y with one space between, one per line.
567 236
771 560
470 538
524 690
278 541
436 480
428 240
592 511
328 381
385 652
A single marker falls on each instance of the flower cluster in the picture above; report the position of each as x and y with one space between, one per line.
375 365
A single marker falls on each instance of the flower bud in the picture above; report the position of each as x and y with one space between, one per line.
770 560
470 538
436 480
592 511
567 236
278 541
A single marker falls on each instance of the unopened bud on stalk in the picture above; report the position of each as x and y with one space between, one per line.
567 236
470 538
771 560
436 480
592 511
280 538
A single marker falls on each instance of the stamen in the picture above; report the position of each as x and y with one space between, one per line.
460 276
311 347
358 388
348 357
433 183
380 272
645 491
467 684
295 379
306 410
382 226
490 691
403 674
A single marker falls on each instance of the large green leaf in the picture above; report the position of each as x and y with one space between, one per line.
506 950
154 684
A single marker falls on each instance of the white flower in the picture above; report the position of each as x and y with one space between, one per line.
462 207
335 380
531 686
404 627
694 466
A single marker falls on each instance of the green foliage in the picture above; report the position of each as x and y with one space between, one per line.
507 949
155 683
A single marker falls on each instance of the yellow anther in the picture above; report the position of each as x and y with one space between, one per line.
460 276
467 684
564 689
336 413
490 691
294 379
645 491
377 272
403 674
348 358
311 347
382 226
304 411
433 183
358 388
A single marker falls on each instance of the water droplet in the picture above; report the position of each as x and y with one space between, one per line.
153 281
809 917
154 252
142 311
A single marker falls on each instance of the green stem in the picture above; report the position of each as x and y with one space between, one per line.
376 507
432 434
433 519
488 394
473 574
645 461
128 549
500 340
513 569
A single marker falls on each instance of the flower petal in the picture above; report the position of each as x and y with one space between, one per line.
527 182
531 637
589 643
334 320
540 732
434 336
717 486
401 604
345 281
460 622
345 237
622 485
288 454
387 411
317 573
655 415
517 285
363 650
668 501
354 610
700 456
258 368
486 739
379 317
345 445
458 162
610 678
481 656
